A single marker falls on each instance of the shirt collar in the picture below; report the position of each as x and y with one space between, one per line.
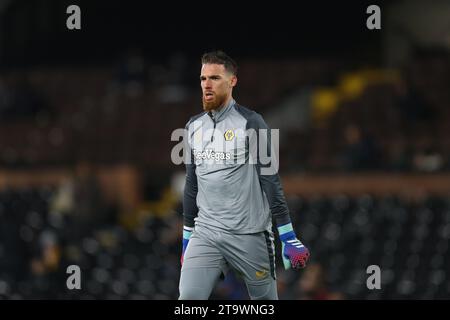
218 114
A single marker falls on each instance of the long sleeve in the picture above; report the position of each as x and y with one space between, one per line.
190 209
270 180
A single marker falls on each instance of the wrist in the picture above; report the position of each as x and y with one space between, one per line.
187 232
286 232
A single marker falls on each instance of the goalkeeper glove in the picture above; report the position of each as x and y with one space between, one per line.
293 252
187 232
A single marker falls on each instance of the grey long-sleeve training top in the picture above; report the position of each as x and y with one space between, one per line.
224 188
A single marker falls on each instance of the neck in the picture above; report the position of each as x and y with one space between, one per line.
224 104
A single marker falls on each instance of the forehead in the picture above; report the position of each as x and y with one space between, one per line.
209 69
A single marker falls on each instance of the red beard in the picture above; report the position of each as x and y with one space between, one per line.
215 103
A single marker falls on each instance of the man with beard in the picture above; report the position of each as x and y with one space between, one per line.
231 195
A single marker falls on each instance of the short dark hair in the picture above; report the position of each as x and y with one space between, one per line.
220 57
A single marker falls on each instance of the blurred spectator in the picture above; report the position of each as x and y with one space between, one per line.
132 67
174 89
411 104
48 254
88 207
132 72
428 159
399 155
313 285
80 199
360 151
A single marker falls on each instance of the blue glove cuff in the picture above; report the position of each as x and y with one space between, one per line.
187 232
286 232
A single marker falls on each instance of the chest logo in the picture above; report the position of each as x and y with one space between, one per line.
229 135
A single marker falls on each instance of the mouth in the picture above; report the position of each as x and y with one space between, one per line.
209 96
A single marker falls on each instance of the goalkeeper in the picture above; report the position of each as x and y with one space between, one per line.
230 200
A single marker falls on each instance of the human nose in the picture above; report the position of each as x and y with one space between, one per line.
207 84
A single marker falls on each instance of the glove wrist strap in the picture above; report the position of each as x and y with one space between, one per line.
187 232
286 232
